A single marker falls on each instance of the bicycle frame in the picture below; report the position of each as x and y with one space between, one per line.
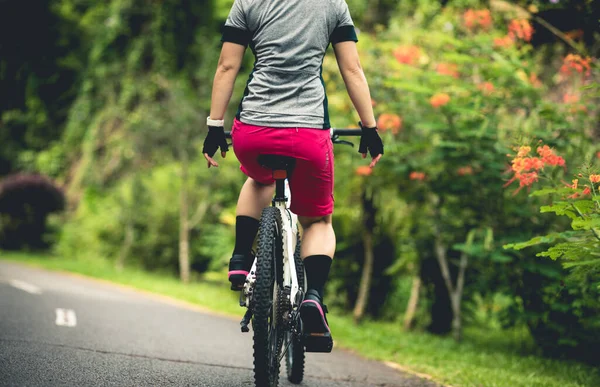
289 233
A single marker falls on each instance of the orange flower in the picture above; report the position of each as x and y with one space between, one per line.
533 79
520 164
598 155
439 99
417 176
447 69
486 87
364 170
524 151
525 168
470 18
595 178
520 29
480 18
570 98
485 18
407 54
527 179
503 42
392 122
545 151
466 170
575 183
575 62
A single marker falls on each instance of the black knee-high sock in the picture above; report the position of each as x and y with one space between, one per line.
317 270
246 229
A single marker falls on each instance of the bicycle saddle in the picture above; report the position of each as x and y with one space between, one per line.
276 162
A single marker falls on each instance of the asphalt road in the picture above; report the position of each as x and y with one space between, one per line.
63 330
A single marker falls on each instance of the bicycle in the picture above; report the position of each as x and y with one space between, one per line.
274 287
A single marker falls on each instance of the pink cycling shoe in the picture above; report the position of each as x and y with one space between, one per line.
316 332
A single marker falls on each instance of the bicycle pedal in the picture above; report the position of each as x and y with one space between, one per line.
246 321
318 342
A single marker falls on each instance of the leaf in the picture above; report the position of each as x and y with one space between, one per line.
567 250
550 191
550 238
587 223
560 208
501 258
585 206
568 265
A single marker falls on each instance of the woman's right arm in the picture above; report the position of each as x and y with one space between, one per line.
355 80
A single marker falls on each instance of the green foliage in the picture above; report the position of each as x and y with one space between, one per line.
445 162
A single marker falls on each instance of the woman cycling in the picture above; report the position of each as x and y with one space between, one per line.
284 112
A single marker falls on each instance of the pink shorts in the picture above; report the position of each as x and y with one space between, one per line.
311 182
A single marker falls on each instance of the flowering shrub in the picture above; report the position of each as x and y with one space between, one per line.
579 201
465 84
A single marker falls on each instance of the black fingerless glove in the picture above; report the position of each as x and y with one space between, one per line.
215 139
370 140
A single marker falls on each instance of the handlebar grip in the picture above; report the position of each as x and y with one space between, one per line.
347 132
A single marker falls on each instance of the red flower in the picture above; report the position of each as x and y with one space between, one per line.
586 191
595 178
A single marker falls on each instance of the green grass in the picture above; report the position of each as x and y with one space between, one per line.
484 358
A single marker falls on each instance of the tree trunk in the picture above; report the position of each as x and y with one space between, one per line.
413 302
367 271
365 280
126 247
454 292
184 227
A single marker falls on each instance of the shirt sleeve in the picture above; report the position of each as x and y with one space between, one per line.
236 29
344 30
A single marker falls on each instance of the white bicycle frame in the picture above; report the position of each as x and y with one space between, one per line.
289 224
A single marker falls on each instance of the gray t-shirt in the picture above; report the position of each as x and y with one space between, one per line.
289 39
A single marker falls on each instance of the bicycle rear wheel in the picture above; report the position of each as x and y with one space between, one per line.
294 359
266 323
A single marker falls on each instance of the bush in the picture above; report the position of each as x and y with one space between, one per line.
25 202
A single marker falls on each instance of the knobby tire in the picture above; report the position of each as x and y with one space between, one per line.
294 359
268 338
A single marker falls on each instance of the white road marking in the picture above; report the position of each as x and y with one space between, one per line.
66 317
29 288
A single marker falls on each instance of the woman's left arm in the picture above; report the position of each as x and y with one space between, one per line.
229 65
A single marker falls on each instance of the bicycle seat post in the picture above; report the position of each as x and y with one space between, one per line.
279 175
281 167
